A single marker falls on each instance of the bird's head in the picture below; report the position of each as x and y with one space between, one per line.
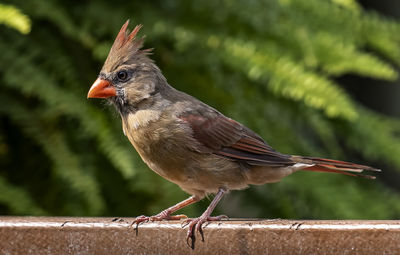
128 77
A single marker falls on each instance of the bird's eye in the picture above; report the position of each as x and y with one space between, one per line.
122 75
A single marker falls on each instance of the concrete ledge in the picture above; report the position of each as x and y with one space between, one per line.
42 235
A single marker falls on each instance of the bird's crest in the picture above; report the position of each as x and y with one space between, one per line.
126 46
124 37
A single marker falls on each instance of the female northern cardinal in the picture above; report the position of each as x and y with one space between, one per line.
188 142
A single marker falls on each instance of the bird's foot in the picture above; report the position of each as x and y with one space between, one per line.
159 217
196 225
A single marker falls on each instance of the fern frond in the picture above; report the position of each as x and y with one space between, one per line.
339 57
382 35
290 80
377 137
13 17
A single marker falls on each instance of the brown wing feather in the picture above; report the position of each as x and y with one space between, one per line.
228 138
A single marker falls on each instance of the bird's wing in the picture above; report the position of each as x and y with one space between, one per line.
226 137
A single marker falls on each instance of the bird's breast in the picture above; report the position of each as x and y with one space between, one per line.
160 141
140 119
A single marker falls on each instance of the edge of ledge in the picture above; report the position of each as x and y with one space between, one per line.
77 235
234 223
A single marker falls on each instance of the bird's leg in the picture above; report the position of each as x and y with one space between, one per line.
166 214
196 224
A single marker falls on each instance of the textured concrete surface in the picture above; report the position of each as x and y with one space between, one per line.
40 235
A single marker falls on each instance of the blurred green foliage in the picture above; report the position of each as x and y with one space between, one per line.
271 64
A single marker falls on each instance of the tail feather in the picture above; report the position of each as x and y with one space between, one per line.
337 166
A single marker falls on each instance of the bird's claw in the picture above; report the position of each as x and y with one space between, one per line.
159 217
140 219
196 225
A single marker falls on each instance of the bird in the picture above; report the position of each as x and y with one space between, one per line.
189 142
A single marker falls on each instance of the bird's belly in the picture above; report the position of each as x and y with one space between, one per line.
196 173
166 153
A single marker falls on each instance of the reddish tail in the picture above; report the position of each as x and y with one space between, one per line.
341 167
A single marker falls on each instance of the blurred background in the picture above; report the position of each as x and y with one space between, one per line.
312 77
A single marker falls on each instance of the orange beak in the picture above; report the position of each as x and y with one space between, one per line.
101 89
